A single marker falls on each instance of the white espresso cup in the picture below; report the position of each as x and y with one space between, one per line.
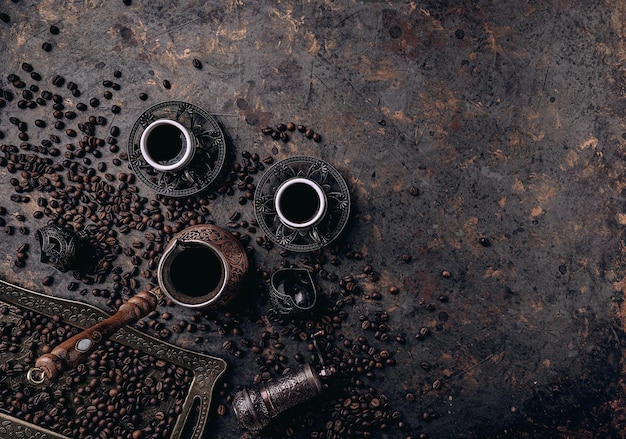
300 203
167 146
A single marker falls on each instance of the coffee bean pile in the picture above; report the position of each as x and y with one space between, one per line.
119 393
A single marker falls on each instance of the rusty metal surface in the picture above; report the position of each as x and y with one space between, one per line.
451 122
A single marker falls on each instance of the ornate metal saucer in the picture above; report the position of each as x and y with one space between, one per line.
337 194
206 369
206 163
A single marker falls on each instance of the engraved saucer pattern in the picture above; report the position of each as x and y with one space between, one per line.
337 194
207 162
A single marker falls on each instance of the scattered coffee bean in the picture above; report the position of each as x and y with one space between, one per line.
197 63
54 30
47 281
166 84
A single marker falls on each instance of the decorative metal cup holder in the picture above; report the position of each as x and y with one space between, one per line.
63 248
206 370
337 197
208 159
292 291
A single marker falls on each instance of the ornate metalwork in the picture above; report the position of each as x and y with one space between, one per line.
11 427
206 369
337 194
207 162
256 406
292 291
61 248
231 252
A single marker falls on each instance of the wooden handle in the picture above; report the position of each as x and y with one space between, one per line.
75 350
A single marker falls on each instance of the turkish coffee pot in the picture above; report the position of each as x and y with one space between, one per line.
203 266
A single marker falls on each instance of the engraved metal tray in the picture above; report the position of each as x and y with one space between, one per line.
206 370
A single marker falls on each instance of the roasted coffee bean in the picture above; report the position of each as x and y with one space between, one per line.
317 137
5 17
58 80
94 102
40 123
116 109
47 281
143 96
35 76
107 94
114 131
197 63
54 30
485 242
309 133
166 84
81 106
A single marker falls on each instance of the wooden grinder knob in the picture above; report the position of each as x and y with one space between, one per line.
77 349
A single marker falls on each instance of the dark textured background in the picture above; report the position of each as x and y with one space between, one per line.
506 116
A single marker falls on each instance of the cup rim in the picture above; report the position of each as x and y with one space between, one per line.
189 146
321 195
199 301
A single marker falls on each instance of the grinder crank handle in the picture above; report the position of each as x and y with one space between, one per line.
77 349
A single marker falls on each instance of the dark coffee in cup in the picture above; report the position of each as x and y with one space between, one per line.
300 203
196 271
167 145
195 274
